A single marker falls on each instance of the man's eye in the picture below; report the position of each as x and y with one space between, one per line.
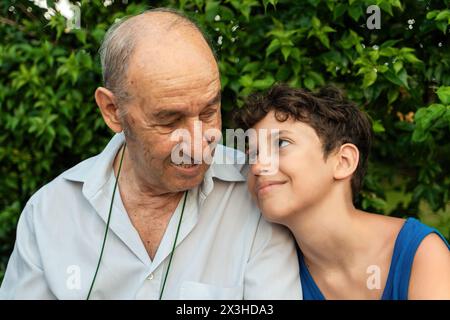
208 115
283 143
172 123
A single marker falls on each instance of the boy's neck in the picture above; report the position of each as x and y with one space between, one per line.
330 234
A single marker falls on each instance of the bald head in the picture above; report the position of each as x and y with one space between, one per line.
162 85
155 40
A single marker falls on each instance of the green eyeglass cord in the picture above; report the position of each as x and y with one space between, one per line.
107 228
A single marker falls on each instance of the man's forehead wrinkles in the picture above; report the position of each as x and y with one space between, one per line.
192 80
187 106
192 90
190 106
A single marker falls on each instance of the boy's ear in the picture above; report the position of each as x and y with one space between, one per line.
110 111
347 159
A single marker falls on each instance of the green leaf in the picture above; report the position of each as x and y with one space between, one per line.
273 46
389 43
267 2
246 80
420 135
315 22
316 77
283 73
328 29
378 127
442 25
211 10
264 83
81 35
443 15
385 6
400 79
224 80
412 58
397 3
392 95
339 10
425 117
369 78
252 67
444 94
398 65
324 39
314 3
430 15
355 11
286 51
309 83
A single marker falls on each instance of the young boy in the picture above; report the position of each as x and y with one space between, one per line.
344 253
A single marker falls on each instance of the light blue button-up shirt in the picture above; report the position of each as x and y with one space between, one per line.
225 249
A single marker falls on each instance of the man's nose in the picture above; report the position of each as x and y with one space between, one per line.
199 140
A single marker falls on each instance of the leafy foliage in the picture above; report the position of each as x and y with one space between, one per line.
399 74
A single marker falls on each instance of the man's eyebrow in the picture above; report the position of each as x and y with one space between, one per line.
214 100
163 114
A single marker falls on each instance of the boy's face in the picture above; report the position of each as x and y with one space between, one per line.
303 178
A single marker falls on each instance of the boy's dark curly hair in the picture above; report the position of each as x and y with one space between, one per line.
336 120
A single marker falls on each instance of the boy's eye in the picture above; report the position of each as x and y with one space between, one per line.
283 143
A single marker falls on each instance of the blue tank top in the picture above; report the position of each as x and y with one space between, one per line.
397 283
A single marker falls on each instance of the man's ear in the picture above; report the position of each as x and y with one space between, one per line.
347 159
106 102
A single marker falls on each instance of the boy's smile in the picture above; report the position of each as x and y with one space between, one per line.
303 176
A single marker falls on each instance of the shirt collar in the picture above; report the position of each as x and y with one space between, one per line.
94 172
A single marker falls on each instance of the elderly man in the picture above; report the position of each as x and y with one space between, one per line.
130 223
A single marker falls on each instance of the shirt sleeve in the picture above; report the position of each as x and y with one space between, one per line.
24 276
272 272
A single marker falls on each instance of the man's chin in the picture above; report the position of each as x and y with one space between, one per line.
188 177
183 186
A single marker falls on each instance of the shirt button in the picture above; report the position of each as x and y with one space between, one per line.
150 277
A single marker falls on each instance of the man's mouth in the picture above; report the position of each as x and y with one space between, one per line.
185 162
185 165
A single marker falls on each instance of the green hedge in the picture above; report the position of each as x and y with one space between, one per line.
399 74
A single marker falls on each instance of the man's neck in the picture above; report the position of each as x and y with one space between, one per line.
136 191
149 210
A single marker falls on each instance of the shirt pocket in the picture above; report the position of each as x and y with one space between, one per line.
191 290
